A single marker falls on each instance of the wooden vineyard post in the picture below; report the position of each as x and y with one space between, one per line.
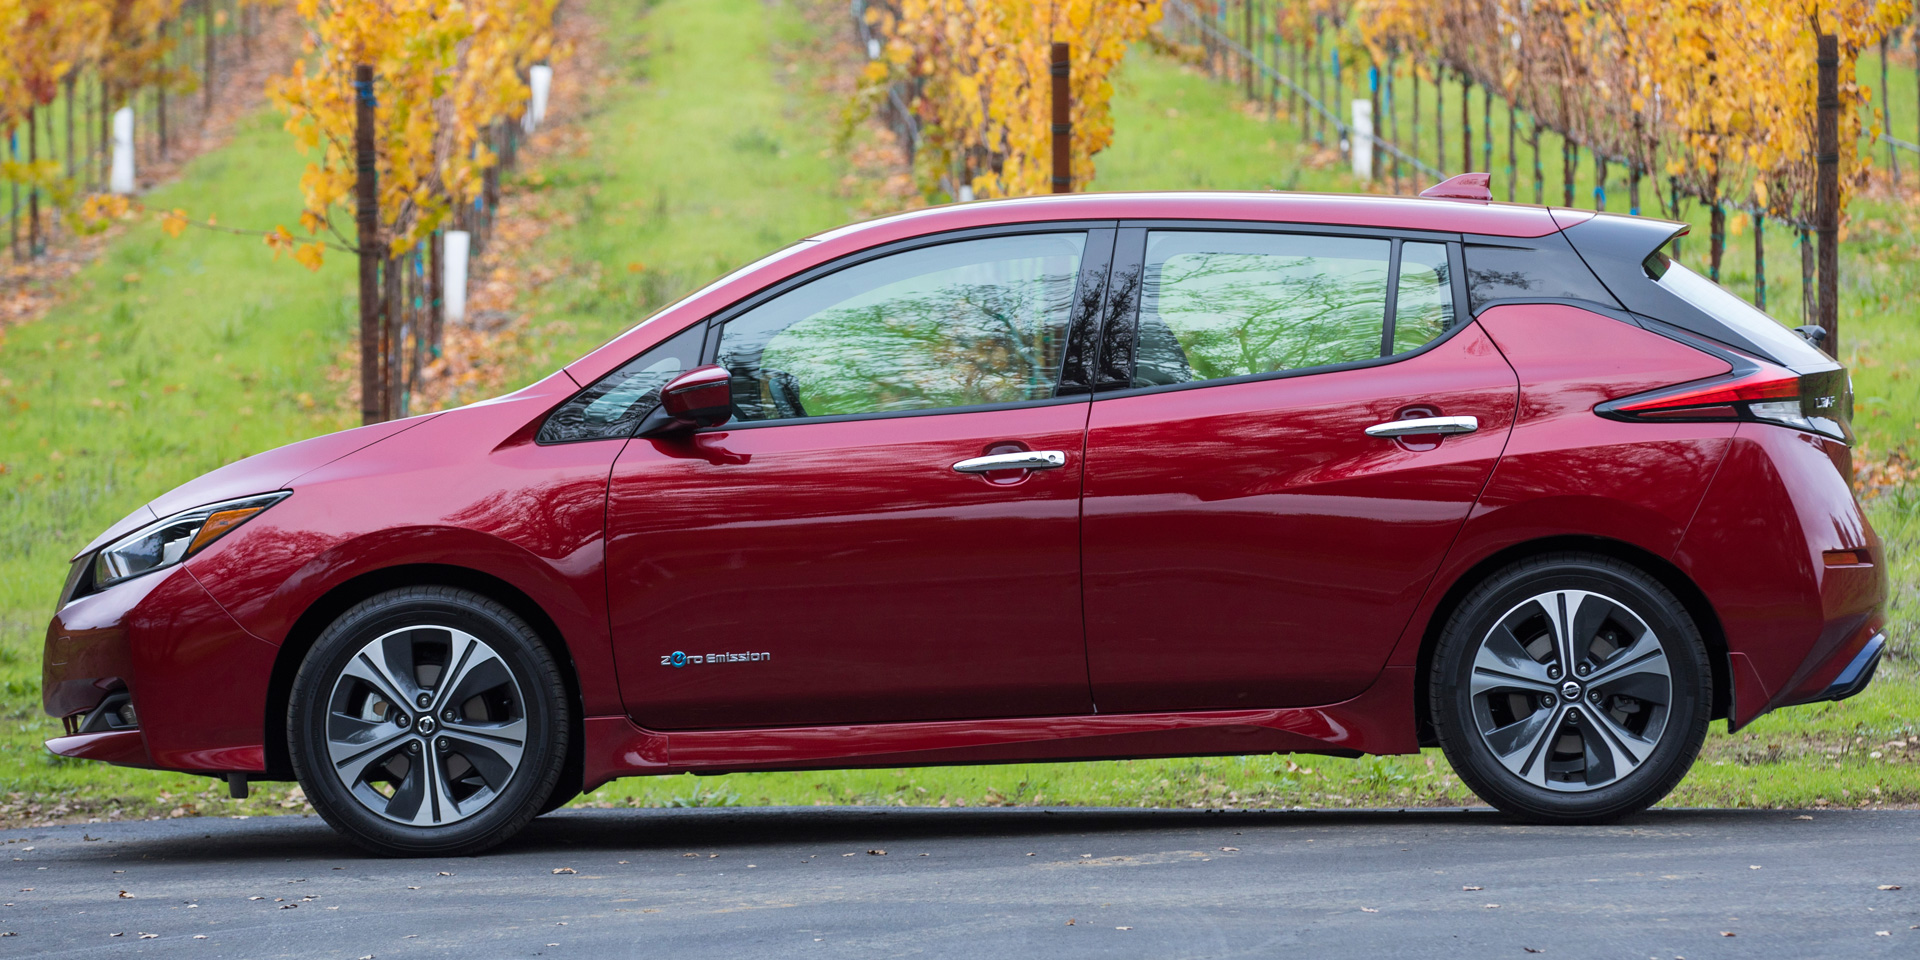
1062 122
367 219
1826 212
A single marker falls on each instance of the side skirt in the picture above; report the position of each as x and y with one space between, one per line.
1378 721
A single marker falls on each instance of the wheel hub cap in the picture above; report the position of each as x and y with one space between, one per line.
444 764
1524 697
426 725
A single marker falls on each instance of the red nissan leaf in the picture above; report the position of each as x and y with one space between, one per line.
1060 478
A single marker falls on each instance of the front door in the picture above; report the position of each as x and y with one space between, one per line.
1248 543
834 555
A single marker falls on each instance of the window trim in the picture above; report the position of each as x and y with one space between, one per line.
1135 232
1092 245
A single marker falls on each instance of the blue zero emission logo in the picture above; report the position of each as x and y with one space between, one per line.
677 659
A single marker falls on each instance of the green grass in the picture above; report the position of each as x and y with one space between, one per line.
716 147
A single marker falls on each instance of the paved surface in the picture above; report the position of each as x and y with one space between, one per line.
810 882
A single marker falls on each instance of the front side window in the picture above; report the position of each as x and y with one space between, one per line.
615 404
954 325
1217 305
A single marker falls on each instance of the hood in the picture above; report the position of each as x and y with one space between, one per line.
260 473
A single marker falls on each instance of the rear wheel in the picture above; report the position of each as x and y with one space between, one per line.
428 720
1571 688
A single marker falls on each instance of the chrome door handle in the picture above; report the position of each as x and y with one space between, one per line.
1023 460
1424 427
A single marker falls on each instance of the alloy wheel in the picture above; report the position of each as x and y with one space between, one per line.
426 725
1571 690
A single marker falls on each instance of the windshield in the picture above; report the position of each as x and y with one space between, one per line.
1717 302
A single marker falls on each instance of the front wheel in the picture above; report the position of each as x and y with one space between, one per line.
1571 688
428 721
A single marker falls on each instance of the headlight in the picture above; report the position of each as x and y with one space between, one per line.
174 539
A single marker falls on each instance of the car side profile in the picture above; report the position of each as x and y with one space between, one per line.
1060 478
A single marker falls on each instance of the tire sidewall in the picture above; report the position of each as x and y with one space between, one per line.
1687 717
542 694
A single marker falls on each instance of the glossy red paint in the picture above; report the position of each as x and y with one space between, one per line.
1568 475
896 588
1232 531
919 616
1757 549
1370 723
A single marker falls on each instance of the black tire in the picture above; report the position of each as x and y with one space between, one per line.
502 683
1568 773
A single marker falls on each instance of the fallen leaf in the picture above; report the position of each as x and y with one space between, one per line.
1492 906
1069 921
1755 867
123 895
1229 849
199 936
1727 933
684 855
288 906
116 934
1883 933
854 854
1803 817
876 853
149 936
559 870
1889 886
416 888
1532 950
1470 888
446 874
256 898
1123 928
1368 910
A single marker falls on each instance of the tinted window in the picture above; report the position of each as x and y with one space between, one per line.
1423 296
1784 345
1230 304
615 405
955 325
1545 269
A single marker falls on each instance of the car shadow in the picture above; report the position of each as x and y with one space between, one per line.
655 829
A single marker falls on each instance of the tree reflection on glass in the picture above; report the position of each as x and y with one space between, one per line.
960 324
1230 304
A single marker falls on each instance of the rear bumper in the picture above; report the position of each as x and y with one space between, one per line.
1796 575
1857 673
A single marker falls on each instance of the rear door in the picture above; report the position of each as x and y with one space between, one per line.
1247 542
836 554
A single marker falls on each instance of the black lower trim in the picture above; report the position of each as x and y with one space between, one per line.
1858 673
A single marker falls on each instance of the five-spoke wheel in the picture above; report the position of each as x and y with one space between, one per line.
428 720
1571 688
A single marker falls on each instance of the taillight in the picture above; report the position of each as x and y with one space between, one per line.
1758 392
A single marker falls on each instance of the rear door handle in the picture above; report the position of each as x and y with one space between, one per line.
1022 460
1424 427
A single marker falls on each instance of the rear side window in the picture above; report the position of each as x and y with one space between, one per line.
955 325
1217 305
1423 296
1545 268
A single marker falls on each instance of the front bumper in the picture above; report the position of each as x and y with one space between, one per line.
193 682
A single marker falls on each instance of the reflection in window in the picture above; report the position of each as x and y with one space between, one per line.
1423 302
617 402
1229 304
954 325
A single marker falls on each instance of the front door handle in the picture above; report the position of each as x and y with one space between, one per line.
1424 427
1021 460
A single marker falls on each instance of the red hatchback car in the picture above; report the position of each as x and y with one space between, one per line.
1079 477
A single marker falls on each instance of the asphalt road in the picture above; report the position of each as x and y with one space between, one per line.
1025 883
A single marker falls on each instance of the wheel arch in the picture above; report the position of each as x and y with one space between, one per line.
1670 576
336 601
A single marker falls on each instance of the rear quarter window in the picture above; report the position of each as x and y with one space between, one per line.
1543 268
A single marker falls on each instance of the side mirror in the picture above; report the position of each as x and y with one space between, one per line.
701 397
